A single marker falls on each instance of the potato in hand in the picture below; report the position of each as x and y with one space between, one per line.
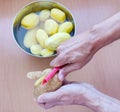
50 86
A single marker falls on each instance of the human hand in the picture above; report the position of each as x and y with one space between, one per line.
78 51
72 93
74 53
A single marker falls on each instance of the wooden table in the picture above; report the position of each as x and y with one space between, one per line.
103 71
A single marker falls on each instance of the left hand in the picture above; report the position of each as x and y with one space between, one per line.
69 94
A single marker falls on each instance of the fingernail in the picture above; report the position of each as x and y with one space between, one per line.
61 76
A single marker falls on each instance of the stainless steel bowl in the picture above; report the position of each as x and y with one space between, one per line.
19 32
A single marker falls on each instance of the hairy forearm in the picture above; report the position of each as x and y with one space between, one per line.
106 32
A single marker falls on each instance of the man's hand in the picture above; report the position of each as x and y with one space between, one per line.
79 94
74 53
78 51
70 94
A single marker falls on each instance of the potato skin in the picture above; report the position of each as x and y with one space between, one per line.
51 85
55 40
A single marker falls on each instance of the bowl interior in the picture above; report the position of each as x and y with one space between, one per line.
19 32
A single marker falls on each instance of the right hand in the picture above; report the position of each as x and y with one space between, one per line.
74 53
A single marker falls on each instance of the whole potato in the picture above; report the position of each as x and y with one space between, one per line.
51 26
44 14
55 40
30 38
30 21
36 49
41 36
47 52
66 27
58 15
51 85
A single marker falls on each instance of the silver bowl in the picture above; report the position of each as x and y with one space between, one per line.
19 32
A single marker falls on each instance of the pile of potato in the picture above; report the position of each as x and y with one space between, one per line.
46 31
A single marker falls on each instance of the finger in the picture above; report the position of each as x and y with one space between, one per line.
65 82
50 105
60 60
41 105
48 97
67 69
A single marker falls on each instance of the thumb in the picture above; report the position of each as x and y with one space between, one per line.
67 69
47 97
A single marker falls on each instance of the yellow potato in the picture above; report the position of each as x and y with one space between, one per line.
47 52
36 49
30 38
58 15
51 26
55 40
30 21
44 14
41 36
66 27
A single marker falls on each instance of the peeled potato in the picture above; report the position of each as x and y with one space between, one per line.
44 14
66 27
51 27
55 40
30 21
30 38
51 85
36 49
41 36
58 15
47 52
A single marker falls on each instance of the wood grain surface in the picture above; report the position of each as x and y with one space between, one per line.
103 71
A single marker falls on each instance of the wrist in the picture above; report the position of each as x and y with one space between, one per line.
100 102
105 32
97 103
